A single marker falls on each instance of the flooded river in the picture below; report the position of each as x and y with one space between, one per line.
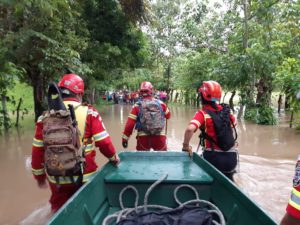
266 164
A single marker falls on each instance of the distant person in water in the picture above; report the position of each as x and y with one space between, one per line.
219 151
148 116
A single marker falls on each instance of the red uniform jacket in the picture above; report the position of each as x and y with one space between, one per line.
293 207
203 120
95 133
131 121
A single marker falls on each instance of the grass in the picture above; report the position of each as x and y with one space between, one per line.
20 90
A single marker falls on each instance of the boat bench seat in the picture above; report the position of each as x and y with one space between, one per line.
141 171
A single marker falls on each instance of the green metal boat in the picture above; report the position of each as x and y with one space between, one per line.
173 178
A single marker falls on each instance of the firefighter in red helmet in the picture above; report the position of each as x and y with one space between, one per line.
148 117
92 133
220 153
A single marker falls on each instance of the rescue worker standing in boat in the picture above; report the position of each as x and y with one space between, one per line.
90 126
146 140
225 161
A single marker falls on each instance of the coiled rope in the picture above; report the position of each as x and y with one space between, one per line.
124 212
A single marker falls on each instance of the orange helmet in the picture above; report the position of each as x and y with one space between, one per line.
72 82
211 91
146 87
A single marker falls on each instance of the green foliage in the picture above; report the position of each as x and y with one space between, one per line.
115 44
262 115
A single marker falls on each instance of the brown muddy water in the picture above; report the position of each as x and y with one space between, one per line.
266 168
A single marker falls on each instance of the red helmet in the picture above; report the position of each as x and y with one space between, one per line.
146 87
72 82
211 91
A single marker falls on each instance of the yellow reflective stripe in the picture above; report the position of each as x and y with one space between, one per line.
132 116
67 180
112 158
40 118
296 192
293 204
100 136
88 148
80 113
196 122
295 199
206 116
167 111
37 143
38 171
142 133
125 137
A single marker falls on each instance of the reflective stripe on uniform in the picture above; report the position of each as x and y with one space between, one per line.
233 149
206 116
142 133
38 143
167 111
295 199
132 116
88 148
67 180
112 158
100 136
81 114
196 122
125 137
38 172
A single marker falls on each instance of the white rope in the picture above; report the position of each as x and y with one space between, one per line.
122 214
181 186
151 188
122 192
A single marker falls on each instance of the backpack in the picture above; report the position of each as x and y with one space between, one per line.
151 117
223 128
185 215
63 153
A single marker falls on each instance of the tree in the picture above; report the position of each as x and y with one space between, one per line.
44 41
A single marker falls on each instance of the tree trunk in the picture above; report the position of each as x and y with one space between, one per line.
198 100
241 112
18 111
4 112
170 97
231 101
38 95
176 96
168 78
292 119
279 103
287 103
224 97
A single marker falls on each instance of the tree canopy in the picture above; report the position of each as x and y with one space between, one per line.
250 47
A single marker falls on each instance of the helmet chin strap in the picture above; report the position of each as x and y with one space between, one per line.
79 97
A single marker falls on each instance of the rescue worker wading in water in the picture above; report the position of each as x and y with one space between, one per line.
225 161
148 117
90 126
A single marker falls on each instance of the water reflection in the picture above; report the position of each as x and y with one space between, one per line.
266 168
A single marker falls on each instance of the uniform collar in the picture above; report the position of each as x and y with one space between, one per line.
209 107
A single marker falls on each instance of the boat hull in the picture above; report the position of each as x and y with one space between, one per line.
100 197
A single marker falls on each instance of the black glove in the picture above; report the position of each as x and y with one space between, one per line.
187 148
125 144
